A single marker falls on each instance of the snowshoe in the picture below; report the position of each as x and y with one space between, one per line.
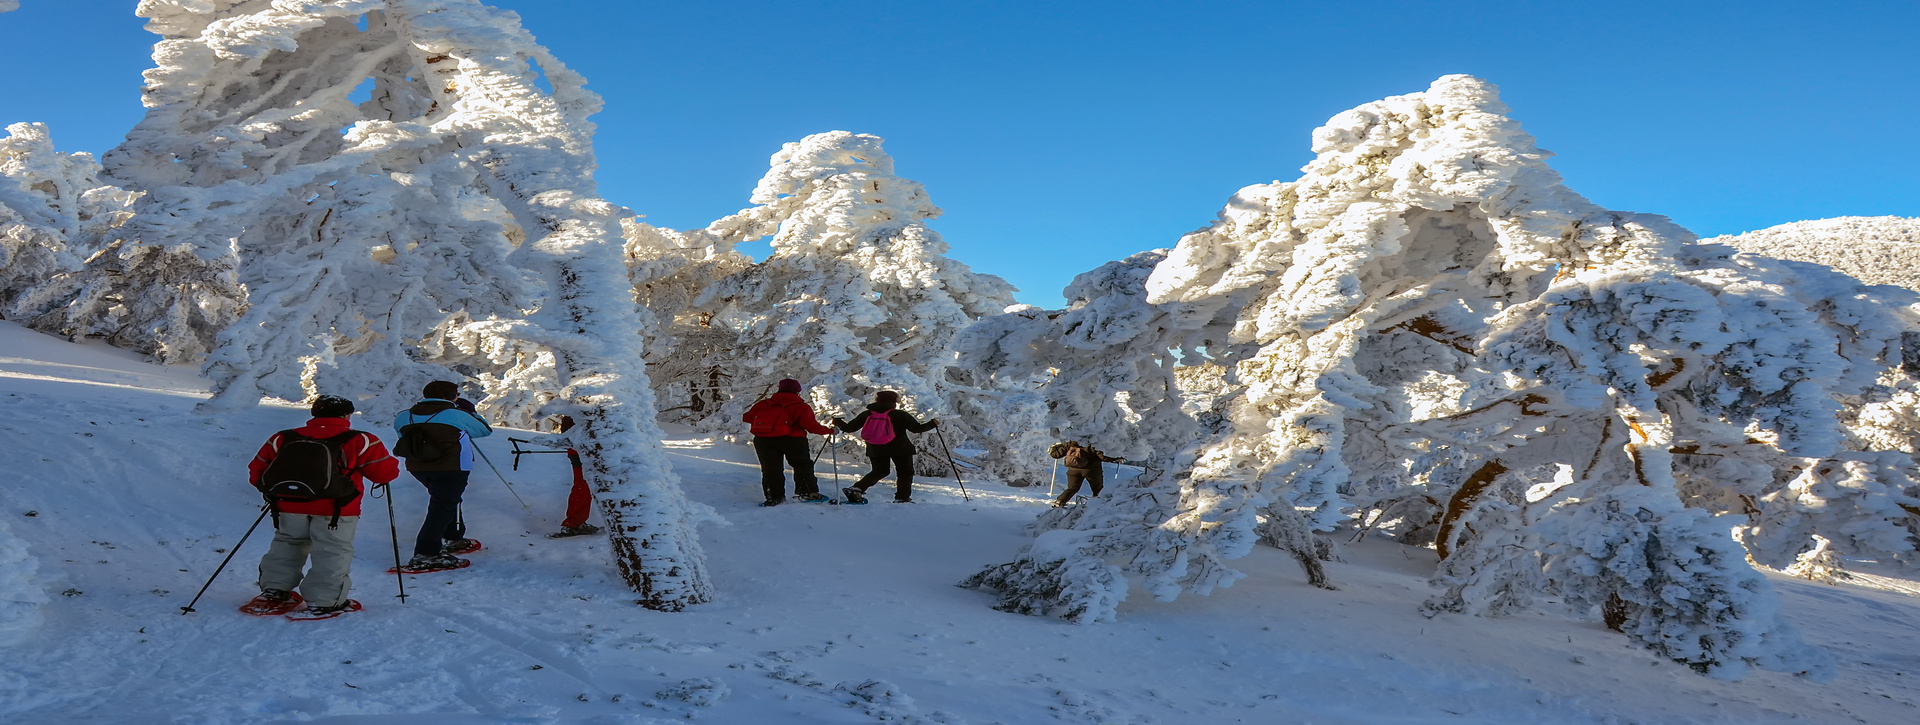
312 614
811 498
770 502
572 531
903 500
853 496
273 602
430 564
456 547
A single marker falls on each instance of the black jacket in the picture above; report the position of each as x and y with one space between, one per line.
903 423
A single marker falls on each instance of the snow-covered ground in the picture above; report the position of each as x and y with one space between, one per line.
125 501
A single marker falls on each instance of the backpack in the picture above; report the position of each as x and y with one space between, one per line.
418 447
878 430
769 419
310 469
1082 457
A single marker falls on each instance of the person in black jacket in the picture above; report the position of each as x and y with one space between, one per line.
897 452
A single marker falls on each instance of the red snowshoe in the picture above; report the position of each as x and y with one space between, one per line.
266 606
462 546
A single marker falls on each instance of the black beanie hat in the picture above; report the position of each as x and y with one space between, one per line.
331 406
441 389
886 397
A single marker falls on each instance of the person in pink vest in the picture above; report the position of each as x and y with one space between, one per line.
887 445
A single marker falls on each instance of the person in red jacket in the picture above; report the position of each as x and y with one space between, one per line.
311 528
780 427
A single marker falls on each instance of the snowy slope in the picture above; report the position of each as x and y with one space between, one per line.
826 614
1877 249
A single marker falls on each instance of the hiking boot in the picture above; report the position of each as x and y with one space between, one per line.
581 530
854 495
275 595
1058 504
903 500
811 497
458 546
771 502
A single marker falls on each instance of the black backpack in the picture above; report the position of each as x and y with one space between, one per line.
416 446
310 469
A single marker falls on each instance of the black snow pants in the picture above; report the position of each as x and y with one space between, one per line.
903 491
444 489
1094 477
772 450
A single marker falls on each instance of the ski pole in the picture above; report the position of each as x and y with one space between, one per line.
836 460
1053 479
503 479
393 532
950 464
186 610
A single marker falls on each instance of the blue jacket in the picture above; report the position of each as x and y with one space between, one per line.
447 425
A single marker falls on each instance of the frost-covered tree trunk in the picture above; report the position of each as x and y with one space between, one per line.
403 202
857 295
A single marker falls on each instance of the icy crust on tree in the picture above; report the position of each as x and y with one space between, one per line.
857 295
53 211
445 226
1428 328
1876 250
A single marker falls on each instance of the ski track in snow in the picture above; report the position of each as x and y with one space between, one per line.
826 614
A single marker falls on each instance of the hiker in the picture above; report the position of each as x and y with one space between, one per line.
324 456
780 425
1083 464
580 499
436 438
884 427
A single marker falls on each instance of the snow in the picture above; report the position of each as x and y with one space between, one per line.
824 613
1877 250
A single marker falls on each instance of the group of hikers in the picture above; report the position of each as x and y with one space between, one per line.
780 424
314 476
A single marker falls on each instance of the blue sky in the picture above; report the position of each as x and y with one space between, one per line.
1059 135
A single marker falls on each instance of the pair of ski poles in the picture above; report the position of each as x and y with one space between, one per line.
942 437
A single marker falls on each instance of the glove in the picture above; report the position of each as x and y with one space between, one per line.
838 421
935 423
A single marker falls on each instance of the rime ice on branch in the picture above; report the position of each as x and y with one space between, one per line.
1429 316
399 198
53 212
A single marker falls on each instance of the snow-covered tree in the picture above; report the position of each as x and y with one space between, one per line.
690 356
1429 310
1876 250
445 224
857 295
53 211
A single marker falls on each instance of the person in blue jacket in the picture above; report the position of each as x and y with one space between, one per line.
436 439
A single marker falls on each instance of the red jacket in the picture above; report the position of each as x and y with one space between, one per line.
366 456
799 416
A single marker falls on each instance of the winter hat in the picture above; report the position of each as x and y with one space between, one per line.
886 397
331 406
789 385
442 390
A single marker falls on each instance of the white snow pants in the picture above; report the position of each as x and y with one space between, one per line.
327 582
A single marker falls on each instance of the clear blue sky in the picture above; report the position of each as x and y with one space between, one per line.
1058 135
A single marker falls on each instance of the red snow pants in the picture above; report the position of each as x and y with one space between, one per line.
580 499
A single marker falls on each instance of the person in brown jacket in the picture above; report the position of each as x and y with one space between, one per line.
1083 465
780 425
